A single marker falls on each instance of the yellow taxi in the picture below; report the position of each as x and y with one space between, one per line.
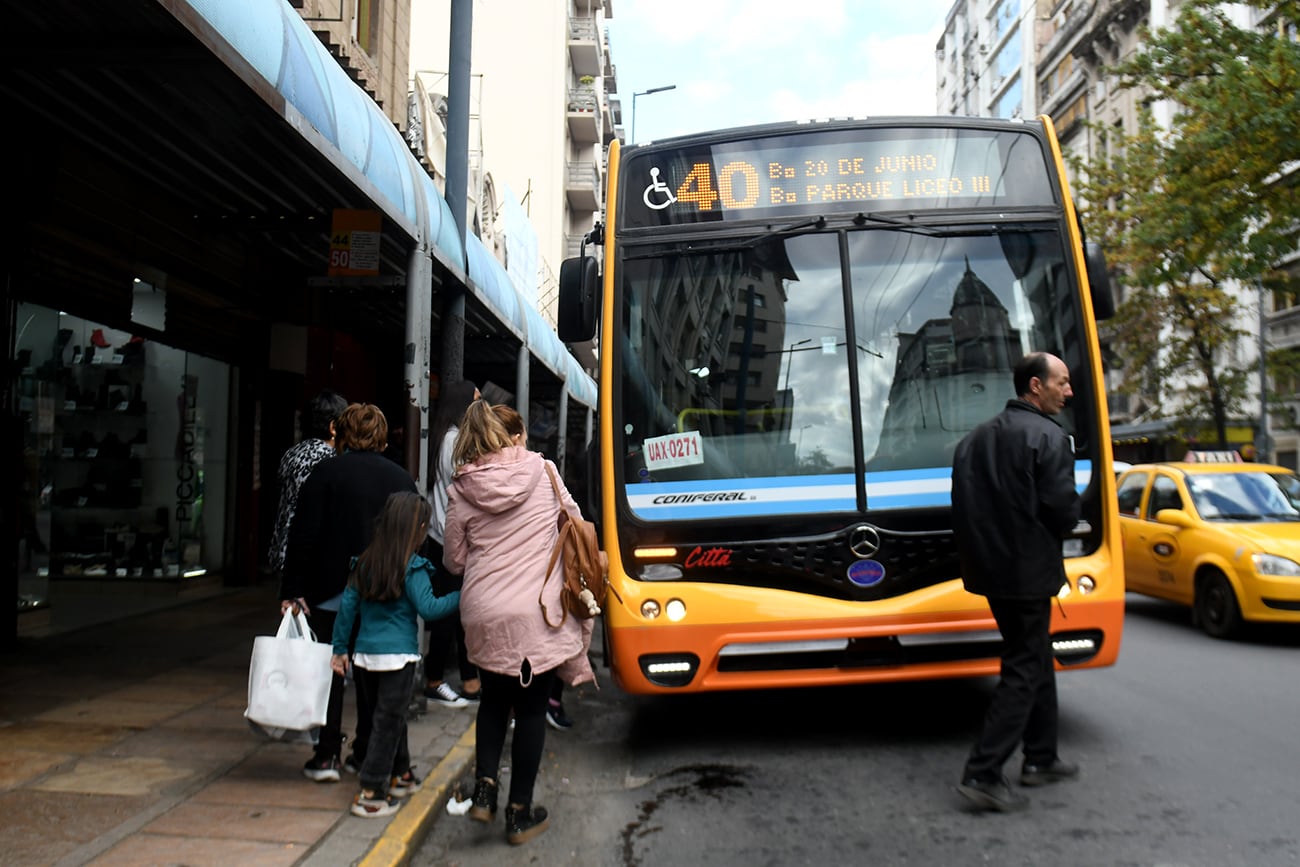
1217 534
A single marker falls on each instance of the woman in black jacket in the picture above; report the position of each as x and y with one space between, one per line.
337 507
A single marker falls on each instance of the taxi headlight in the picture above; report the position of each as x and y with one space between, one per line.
1271 564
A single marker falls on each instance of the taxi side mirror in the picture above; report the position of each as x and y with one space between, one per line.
1177 517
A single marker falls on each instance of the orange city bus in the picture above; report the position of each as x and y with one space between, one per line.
797 324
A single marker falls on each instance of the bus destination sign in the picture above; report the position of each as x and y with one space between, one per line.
834 172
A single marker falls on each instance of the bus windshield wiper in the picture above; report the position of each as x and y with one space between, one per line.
946 231
817 222
740 246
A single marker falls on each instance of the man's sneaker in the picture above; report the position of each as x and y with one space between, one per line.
445 694
370 805
1053 772
996 795
405 785
352 764
556 716
322 769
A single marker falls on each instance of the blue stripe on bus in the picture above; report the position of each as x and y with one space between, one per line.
928 487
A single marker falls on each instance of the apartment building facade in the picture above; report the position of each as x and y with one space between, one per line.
544 109
1068 48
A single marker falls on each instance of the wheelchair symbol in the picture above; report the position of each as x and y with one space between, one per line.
657 186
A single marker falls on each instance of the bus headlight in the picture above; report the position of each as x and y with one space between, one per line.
1271 564
1085 584
676 610
650 609
1064 591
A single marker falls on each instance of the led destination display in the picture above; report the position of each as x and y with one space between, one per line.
835 171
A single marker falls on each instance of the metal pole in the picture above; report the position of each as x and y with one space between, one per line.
635 94
452 367
1264 447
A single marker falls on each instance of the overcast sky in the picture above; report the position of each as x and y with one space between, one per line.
740 62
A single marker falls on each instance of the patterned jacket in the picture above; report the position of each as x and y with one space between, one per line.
295 467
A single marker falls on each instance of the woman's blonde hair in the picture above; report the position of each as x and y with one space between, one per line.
361 428
481 433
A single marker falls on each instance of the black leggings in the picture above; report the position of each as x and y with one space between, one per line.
503 693
445 632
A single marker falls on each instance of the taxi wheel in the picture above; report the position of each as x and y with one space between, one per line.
1216 606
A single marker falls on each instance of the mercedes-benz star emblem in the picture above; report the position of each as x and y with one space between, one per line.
864 541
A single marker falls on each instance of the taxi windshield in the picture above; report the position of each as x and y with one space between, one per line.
1246 496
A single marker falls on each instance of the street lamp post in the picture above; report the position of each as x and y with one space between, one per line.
645 93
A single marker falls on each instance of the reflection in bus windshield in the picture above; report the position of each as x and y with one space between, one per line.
748 347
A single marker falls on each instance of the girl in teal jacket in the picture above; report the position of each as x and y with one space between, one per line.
387 587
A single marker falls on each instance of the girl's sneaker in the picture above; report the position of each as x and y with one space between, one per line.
370 805
405 785
556 716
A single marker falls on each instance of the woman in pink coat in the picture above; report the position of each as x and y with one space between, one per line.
502 523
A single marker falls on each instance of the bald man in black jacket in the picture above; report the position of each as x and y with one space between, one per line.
1013 502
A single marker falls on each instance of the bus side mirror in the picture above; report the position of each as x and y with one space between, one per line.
579 303
1103 300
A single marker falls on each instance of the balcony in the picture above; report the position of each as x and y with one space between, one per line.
582 186
610 74
611 117
584 117
584 47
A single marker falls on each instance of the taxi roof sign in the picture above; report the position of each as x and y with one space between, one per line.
1223 457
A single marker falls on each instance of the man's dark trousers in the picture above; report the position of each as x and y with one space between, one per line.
1023 707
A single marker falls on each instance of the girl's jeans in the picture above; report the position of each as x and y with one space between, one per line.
387 754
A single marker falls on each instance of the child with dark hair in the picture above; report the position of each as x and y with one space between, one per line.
387 587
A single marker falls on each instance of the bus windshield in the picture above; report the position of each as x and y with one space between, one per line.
739 362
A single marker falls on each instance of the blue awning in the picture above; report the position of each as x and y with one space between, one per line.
346 125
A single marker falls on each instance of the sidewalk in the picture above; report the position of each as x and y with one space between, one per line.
125 744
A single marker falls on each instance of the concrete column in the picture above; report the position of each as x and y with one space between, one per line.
521 383
419 288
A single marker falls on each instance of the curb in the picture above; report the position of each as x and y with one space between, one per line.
409 827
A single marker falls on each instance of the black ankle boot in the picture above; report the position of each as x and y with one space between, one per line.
484 808
523 823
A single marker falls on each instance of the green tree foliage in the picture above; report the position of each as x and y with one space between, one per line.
1191 211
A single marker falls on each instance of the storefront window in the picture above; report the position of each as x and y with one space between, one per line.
124 458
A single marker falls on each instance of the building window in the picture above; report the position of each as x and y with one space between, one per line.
1009 104
365 26
1075 111
1007 62
1003 18
1286 298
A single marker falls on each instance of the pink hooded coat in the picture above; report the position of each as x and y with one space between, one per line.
502 523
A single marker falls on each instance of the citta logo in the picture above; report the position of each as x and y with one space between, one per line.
708 558
710 497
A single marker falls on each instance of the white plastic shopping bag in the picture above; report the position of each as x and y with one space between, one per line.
288 679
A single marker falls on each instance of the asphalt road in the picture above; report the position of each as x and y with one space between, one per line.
1188 747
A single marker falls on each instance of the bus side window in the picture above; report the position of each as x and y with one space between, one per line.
1130 494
